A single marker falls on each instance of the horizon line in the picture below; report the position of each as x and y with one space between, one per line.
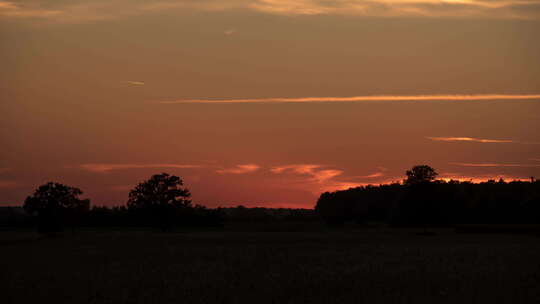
456 97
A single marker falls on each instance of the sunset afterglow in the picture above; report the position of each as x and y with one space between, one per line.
265 102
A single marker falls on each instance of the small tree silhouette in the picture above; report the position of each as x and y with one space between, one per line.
421 193
55 204
420 175
160 200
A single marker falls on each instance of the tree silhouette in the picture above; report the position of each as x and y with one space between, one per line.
421 194
55 205
420 175
160 200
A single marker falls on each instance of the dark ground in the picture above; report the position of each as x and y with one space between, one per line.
354 266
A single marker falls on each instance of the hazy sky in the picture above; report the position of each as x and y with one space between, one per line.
265 102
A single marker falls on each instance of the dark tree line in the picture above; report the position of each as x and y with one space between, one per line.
423 201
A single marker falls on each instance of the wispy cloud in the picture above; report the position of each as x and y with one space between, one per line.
99 10
321 179
471 139
70 12
104 168
16 10
135 83
482 140
239 169
399 8
331 178
495 165
360 180
380 173
300 168
362 99
229 32
323 176
374 175
315 172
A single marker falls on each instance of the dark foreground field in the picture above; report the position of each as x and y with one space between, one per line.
365 266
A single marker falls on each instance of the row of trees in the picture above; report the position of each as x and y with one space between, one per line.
422 200
160 201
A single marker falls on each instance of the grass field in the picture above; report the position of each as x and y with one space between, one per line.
362 266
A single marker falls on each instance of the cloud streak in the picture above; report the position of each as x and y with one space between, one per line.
105 168
313 171
481 140
9 9
99 10
399 8
239 169
471 139
358 99
135 83
495 165
318 174
300 168
374 175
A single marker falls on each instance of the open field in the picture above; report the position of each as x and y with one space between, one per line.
377 266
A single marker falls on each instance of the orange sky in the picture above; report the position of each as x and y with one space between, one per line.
265 102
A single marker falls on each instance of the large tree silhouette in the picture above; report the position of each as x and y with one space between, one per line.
55 205
160 200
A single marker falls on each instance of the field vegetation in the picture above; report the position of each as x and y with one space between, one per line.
324 266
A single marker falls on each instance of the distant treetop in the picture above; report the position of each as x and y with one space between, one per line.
420 174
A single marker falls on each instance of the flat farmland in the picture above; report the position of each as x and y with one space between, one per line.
357 266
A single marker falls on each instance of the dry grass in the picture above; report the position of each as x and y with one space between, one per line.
383 266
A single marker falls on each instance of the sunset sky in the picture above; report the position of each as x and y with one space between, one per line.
265 102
